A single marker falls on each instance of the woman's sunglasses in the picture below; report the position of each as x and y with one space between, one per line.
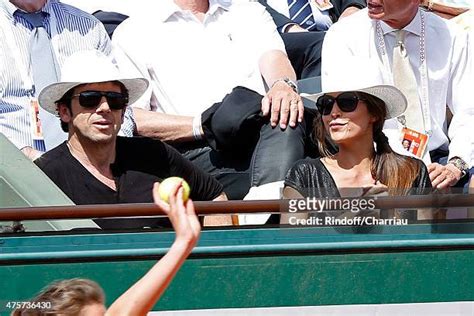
91 99
346 101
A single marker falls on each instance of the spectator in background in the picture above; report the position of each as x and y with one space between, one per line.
77 297
200 51
294 19
95 166
303 49
398 31
35 46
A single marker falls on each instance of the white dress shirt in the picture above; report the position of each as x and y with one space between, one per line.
449 63
192 65
75 31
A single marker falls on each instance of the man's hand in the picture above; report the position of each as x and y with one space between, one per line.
283 104
182 216
443 176
295 28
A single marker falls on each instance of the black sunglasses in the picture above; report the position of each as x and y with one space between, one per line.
346 101
91 99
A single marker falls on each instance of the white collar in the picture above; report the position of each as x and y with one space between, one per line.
214 5
11 8
413 27
169 8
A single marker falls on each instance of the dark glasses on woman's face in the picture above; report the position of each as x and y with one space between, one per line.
346 101
91 99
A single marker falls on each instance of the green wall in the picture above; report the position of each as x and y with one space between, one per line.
258 267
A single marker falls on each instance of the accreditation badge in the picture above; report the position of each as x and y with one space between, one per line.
414 142
35 123
323 5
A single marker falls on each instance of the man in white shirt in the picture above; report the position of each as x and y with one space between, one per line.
368 37
199 51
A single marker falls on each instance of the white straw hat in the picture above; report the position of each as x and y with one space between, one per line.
352 78
88 67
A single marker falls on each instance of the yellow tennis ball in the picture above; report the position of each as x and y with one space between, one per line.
168 184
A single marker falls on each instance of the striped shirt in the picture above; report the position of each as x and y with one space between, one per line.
74 31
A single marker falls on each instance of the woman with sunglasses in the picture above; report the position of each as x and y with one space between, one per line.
364 163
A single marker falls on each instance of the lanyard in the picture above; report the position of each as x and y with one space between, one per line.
8 31
423 69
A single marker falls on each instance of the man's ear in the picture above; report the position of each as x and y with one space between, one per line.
64 113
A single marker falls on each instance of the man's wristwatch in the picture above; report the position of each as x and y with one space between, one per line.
460 164
289 82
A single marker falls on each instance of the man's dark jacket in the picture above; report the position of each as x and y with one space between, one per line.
339 6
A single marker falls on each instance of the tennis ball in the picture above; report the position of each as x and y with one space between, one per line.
168 184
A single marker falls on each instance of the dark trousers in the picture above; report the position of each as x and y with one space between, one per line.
304 52
265 160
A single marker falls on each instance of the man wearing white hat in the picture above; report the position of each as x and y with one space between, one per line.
95 166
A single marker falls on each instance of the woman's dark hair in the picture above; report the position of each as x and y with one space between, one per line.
396 171
67 97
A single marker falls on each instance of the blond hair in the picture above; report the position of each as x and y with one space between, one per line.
66 297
